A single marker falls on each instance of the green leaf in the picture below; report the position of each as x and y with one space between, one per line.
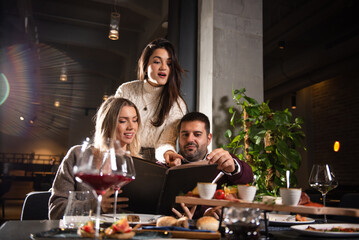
250 100
230 110
253 111
228 133
232 119
269 125
280 118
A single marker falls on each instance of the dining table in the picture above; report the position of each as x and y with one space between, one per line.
21 230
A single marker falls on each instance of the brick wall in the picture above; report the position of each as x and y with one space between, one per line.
335 117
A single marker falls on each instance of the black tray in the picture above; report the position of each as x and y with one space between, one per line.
60 233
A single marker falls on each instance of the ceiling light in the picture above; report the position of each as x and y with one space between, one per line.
22 118
281 45
294 101
114 26
63 75
336 146
164 25
57 103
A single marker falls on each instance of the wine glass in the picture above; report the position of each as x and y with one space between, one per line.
128 172
322 179
100 169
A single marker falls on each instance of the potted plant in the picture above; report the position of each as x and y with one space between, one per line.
267 140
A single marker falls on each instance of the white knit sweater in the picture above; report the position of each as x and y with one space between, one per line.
145 96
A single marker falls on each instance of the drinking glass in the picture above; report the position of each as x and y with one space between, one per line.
322 179
127 169
78 209
100 170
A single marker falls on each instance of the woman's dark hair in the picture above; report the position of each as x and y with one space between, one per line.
171 91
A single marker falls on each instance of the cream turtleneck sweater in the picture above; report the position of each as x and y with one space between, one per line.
146 97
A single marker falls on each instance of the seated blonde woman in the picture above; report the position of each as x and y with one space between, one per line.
117 118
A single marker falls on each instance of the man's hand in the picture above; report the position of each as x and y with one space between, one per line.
223 159
213 212
187 212
108 200
172 158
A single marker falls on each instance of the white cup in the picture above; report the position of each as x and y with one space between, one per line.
78 209
246 193
290 196
206 190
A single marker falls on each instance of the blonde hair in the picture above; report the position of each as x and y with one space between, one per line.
106 124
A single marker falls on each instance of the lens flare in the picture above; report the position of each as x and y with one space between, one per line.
4 88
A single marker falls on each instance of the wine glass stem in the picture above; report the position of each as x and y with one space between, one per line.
115 205
325 216
98 214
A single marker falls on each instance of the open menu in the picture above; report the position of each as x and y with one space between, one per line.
156 186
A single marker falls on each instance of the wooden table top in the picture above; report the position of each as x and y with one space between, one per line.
270 207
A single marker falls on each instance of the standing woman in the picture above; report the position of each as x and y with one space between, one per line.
117 118
158 98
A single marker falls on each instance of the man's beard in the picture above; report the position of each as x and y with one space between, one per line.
193 155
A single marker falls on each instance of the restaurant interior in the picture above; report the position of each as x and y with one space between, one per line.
58 64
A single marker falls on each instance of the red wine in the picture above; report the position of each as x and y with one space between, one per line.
101 182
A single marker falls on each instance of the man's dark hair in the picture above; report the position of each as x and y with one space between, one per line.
195 116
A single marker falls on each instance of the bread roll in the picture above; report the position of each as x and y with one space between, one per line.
207 223
182 222
166 221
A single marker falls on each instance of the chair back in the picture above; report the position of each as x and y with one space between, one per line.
349 200
35 206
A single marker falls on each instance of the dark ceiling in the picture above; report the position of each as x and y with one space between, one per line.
39 37
320 40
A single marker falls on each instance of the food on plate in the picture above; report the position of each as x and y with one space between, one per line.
333 229
300 218
230 189
120 230
193 193
87 230
207 223
219 194
133 218
313 204
182 222
304 199
166 221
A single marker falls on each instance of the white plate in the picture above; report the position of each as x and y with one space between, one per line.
303 229
144 218
286 220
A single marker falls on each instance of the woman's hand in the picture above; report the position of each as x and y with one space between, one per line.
187 212
108 200
172 159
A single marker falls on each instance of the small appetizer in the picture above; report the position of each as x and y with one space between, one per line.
87 230
120 230
166 221
300 218
133 218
